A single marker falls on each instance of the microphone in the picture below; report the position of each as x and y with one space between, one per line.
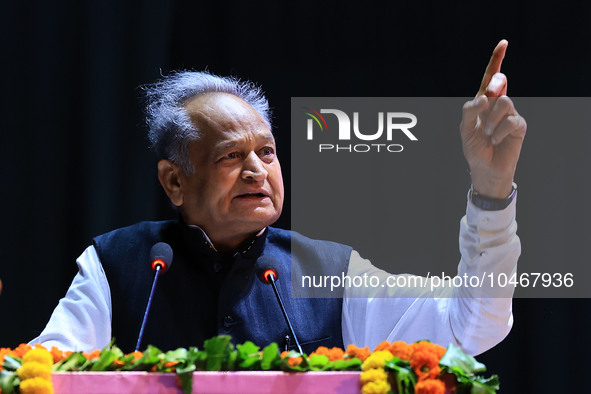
268 275
160 260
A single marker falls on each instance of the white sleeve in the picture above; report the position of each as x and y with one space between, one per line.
82 319
476 320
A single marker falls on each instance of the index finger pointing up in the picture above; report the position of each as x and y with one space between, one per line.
494 66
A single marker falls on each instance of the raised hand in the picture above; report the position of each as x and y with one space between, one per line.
492 132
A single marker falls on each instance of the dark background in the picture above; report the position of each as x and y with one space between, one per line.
75 159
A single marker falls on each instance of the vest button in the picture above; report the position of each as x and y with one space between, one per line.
228 321
217 267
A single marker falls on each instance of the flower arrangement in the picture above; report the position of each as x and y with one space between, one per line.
396 367
423 368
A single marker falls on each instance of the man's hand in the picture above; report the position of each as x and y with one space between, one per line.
492 132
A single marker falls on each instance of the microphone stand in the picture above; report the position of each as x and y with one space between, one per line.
272 280
139 339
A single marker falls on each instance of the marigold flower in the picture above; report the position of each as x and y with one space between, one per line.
39 355
36 386
5 351
333 354
360 353
21 350
57 354
137 355
92 355
430 386
425 364
293 361
380 387
170 364
401 350
377 360
384 345
373 375
34 369
430 347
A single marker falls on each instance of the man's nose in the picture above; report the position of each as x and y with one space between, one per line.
253 168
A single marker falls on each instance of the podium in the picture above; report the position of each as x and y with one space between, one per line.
255 382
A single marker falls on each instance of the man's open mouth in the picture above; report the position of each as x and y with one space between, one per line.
252 195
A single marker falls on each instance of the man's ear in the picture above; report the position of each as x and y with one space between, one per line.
169 175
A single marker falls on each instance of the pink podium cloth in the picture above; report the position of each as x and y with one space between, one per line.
207 382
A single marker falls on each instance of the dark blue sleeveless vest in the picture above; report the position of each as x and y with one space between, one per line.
206 293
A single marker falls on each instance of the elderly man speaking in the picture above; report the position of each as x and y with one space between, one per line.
218 165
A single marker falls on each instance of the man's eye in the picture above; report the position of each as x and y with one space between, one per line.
232 155
267 151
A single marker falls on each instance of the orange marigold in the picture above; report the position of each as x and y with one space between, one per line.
401 349
57 354
430 386
434 348
92 355
293 361
360 353
425 364
384 345
333 354
4 351
21 350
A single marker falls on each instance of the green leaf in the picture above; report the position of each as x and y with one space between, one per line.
11 363
351 364
186 379
404 377
455 358
74 362
105 360
319 362
175 355
9 380
270 356
217 350
150 357
248 357
485 386
303 366
201 360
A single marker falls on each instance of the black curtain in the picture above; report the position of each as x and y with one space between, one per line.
76 163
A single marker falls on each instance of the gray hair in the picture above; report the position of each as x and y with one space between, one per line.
170 129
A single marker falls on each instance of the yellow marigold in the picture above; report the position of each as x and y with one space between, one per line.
333 354
33 369
380 387
430 386
38 355
401 349
377 360
360 353
36 386
373 375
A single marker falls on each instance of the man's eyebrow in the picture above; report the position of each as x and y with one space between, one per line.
234 143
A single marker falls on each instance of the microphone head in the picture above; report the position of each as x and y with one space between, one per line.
266 269
161 256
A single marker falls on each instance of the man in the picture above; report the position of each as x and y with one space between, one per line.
218 165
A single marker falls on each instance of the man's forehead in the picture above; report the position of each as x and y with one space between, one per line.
219 107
